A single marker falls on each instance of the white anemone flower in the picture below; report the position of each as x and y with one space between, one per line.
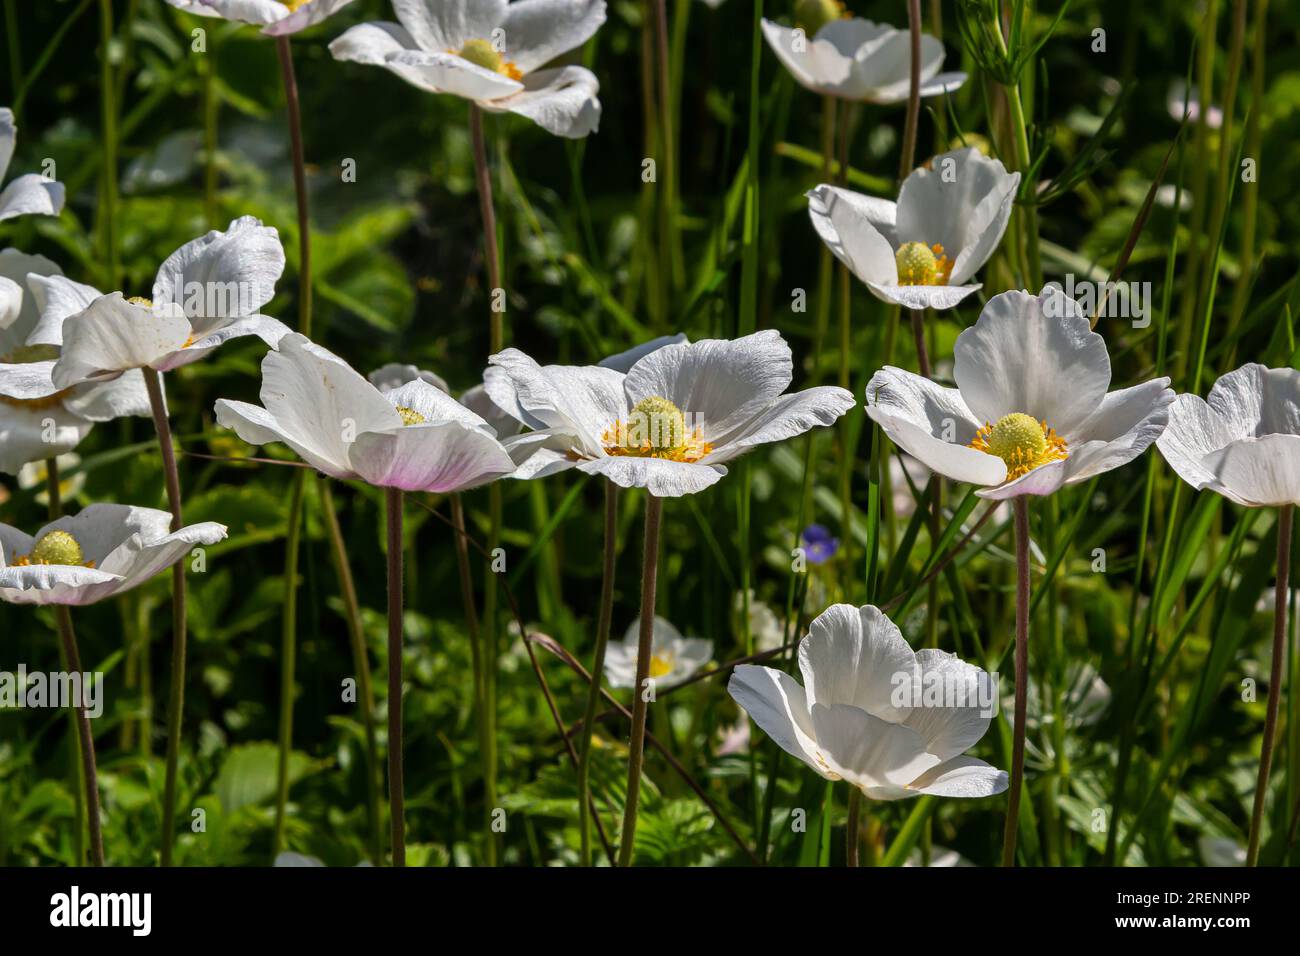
1244 443
670 423
206 292
395 374
854 59
275 17
1031 411
39 419
491 53
414 437
922 251
866 712
29 195
98 553
673 658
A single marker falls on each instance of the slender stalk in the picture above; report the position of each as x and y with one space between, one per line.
211 104
108 146
913 118
396 796
636 748
176 690
597 669
667 147
288 655
1021 508
853 829
918 335
90 776
496 341
285 55
1250 201
360 661
1280 591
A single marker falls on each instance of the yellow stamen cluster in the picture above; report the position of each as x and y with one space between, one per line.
55 547
655 428
811 15
919 264
410 416
1021 442
662 663
483 53
141 301
293 5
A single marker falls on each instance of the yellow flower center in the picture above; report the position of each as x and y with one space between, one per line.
293 5
655 428
811 15
55 547
662 663
919 264
409 415
141 301
1021 442
483 53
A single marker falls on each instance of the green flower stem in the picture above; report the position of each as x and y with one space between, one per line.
360 661
636 747
176 691
853 827
288 655
671 244
285 54
1021 508
90 777
108 148
1280 593
396 796
913 118
597 669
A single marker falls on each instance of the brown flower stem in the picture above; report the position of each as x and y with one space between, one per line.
90 776
285 54
360 661
288 656
1021 507
396 797
636 747
918 336
1280 589
913 118
176 691
597 669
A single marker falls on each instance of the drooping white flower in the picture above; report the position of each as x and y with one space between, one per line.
854 59
1031 411
275 17
100 552
922 251
29 195
38 419
670 423
1244 443
673 658
415 437
490 52
206 292
864 713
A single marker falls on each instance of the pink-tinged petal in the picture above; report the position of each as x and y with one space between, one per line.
435 457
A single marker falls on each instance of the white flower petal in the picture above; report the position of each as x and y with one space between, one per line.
919 297
443 24
222 275
962 777
958 723
390 376
104 401
582 400
269 330
849 223
255 425
1032 354
31 195
857 656
23 434
304 17
375 44
776 702
660 477
112 335
56 298
1043 480
540 454
790 415
19 268
449 73
434 404
867 751
1128 422
241 11
931 423
537 31
562 101
436 457
1258 472
8 137
721 384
